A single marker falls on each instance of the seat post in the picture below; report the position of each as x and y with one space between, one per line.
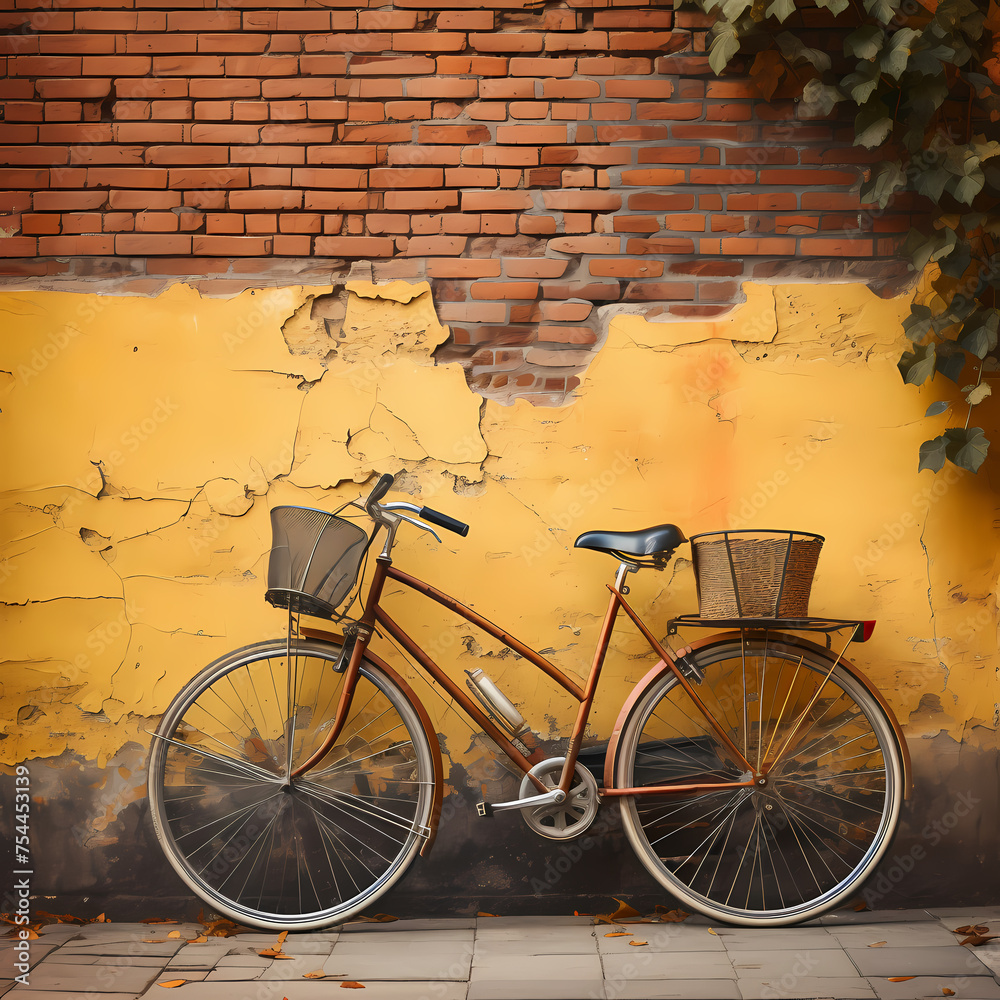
624 568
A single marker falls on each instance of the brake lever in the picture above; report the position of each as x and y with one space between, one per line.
417 524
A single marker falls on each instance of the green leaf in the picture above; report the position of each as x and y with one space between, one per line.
956 263
818 99
732 9
882 9
862 82
796 51
979 335
978 393
872 125
951 365
967 447
932 454
834 6
781 9
932 182
897 53
888 178
917 366
866 42
939 407
725 45
918 324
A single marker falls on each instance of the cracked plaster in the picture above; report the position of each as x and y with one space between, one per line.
150 436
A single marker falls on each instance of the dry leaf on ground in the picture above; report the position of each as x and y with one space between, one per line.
618 934
378 918
173 983
971 929
483 913
877 944
900 979
947 992
670 916
316 974
977 939
624 912
349 985
174 934
638 944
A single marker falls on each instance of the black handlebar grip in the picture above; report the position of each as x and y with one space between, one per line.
444 521
381 488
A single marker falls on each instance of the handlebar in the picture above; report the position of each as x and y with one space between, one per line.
383 486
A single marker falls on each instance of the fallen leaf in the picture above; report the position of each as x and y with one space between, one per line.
901 979
153 940
318 974
348 985
877 944
172 983
385 918
624 912
638 944
101 919
972 929
860 906
174 934
947 992
671 916
200 939
977 939
711 931
158 920
483 913
618 934
276 951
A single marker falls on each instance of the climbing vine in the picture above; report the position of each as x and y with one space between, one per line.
922 82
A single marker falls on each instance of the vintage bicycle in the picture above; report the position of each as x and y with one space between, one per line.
760 775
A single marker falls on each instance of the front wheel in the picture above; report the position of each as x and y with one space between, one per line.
804 825
282 852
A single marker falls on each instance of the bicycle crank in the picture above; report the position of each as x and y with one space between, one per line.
560 820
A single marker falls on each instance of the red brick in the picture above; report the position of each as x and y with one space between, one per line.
635 19
586 244
247 111
734 224
379 223
354 246
165 42
329 111
374 133
204 20
504 289
715 133
670 111
685 223
292 246
406 177
487 111
257 66
410 110
432 246
652 178
233 42
18 246
335 201
110 155
34 156
582 201
796 225
262 224
546 68
140 200
481 177
442 87
76 246
741 245
534 135
225 133
496 201
149 244
521 41
594 155
632 133
534 267
567 334
244 201
68 201
427 42
162 110
330 177
22 45
46 66
817 247
614 66
210 177
304 223
302 21
796 178
644 89
662 245
596 291
386 20
149 133
576 41
118 222
222 89
156 222
24 111
471 20
44 225
662 291
499 156
570 89
225 224
708 268
231 246
186 155
781 201
127 177
626 268
830 201
412 66
677 154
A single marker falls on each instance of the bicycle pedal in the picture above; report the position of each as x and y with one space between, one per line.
484 809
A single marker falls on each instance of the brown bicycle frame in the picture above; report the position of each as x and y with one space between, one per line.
374 615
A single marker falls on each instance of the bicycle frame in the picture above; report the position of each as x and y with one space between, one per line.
375 615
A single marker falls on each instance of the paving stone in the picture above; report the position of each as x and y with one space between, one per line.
129 947
311 989
199 956
927 934
933 987
23 993
806 987
422 924
60 957
377 944
514 989
233 973
662 937
840 917
98 979
243 961
776 938
674 989
540 944
818 963
668 965
953 961
296 969
391 964
536 968
966 914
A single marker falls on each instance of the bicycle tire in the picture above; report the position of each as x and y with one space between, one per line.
806 841
283 855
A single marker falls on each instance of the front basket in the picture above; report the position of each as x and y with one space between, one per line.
314 560
755 574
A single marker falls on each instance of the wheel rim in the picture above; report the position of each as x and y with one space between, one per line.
274 851
810 828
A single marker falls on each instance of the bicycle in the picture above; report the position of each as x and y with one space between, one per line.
760 775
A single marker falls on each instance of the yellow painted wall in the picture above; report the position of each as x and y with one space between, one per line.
147 438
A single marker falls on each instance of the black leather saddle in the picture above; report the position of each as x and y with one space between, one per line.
648 547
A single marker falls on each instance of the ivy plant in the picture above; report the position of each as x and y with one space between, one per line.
922 83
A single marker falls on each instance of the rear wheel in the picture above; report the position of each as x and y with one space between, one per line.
815 810
278 852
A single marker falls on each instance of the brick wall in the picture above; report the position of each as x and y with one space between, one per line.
534 161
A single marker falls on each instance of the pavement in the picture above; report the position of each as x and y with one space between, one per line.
888 955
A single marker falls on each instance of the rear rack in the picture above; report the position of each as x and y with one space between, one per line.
862 629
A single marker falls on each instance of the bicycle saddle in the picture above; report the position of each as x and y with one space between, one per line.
649 546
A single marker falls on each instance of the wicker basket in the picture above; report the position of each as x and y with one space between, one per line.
314 560
755 574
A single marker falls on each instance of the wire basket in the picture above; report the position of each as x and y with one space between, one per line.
314 560
755 574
